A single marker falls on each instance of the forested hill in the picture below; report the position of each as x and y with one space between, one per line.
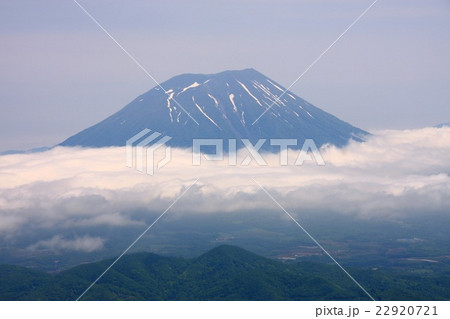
223 273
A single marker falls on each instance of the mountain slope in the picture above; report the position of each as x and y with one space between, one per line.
232 273
443 125
224 105
223 273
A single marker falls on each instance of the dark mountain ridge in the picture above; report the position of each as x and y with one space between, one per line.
223 273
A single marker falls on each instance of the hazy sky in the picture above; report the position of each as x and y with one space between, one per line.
60 73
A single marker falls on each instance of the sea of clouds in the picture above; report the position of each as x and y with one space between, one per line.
393 174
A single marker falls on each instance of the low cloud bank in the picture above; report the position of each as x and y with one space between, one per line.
83 244
394 173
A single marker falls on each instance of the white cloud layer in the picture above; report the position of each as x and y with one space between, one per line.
394 173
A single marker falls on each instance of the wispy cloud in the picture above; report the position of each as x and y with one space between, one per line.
83 244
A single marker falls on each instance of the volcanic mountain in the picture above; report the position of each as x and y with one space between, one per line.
223 105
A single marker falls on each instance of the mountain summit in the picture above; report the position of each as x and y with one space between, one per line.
222 105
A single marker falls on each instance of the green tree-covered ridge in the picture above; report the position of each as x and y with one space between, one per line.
223 273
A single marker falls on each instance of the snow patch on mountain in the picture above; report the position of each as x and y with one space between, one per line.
231 96
275 85
291 96
268 95
214 99
206 115
193 85
169 106
250 93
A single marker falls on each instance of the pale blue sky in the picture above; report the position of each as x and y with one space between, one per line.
60 73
